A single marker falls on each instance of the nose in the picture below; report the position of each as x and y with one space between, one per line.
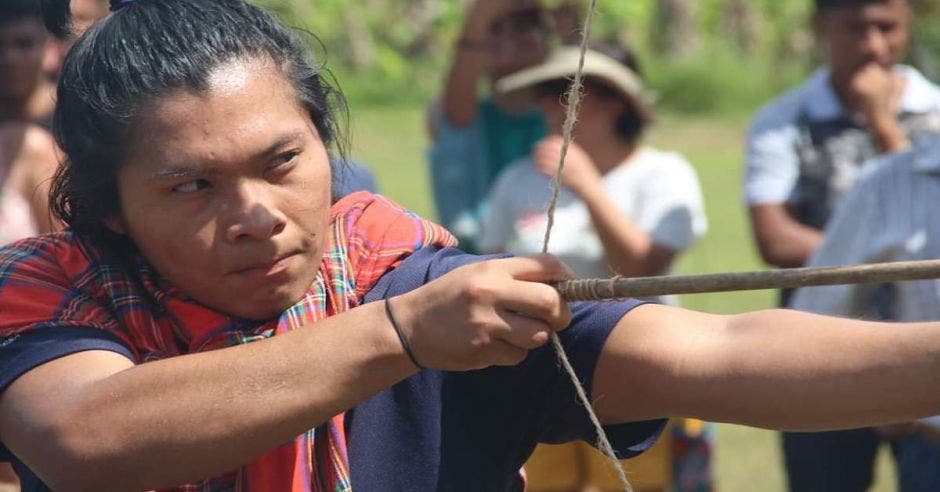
254 214
875 44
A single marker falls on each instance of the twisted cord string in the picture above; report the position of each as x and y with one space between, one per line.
574 101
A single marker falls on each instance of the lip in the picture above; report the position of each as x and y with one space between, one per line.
267 269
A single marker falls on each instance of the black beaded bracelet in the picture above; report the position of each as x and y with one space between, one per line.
401 336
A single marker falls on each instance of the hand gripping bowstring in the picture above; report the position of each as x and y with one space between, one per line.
574 100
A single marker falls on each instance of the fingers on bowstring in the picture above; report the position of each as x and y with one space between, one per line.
536 268
537 301
507 354
523 331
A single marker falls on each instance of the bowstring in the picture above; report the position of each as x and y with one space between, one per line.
574 101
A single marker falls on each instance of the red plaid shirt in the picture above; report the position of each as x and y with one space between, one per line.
60 281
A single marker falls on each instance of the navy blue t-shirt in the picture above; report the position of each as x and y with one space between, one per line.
443 431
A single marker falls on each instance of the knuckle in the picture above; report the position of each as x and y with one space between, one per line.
477 290
479 323
547 300
479 343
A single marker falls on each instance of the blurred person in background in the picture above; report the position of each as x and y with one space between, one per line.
566 21
625 208
27 163
84 14
26 94
475 138
890 215
805 151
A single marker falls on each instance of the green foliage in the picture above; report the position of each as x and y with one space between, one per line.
395 52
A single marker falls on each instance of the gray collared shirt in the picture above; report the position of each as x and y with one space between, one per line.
807 132
892 214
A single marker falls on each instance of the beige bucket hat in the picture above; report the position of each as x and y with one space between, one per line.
563 64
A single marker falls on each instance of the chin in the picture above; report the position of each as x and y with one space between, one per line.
262 306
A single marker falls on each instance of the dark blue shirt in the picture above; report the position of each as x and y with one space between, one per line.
436 430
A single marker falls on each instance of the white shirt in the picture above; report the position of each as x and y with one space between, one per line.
659 191
772 164
891 215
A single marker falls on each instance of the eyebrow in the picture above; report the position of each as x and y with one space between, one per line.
192 172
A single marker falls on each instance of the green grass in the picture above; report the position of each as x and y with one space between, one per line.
392 141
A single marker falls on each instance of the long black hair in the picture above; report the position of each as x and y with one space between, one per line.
145 50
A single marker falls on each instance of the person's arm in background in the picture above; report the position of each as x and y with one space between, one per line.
628 249
471 61
771 173
457 164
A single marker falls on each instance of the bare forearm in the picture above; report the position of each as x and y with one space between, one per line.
791 370
460 90
888 135
628 249
777 369
783 242
191 417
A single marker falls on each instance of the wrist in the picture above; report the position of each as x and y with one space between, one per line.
587 185
888 135
403 337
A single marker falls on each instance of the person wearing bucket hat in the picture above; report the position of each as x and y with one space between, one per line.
625 208
644 204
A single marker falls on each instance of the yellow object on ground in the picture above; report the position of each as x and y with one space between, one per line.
579 467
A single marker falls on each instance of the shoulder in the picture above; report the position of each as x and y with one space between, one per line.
665 159
782 112
40 275
30 152
660 166
375 234
920 95
373 216
43 254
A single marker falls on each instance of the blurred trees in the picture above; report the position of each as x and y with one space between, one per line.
398 49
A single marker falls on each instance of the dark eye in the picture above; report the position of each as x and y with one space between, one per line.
283 160
193 186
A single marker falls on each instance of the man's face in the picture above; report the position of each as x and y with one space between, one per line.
22 47
855 36
517 40
227 193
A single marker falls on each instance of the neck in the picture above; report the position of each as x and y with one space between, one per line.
611 154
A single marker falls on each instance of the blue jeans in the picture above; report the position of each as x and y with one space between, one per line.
843 461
